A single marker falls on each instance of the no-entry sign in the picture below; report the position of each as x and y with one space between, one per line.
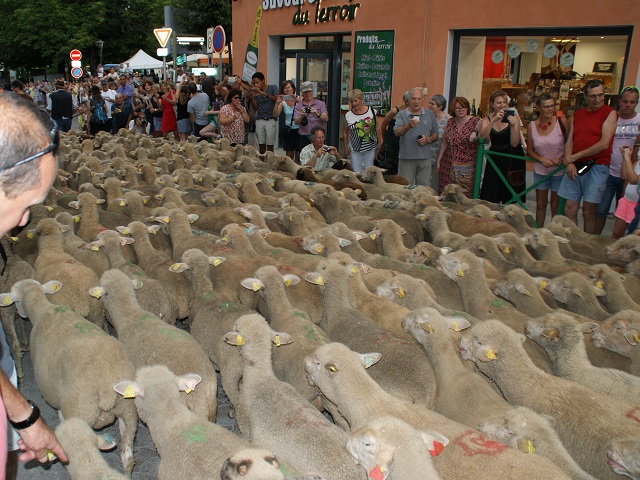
75 55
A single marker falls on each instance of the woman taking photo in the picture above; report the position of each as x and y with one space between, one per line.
155 108
438 105
502 127
233 117
360 132
457 156
546 145
289 137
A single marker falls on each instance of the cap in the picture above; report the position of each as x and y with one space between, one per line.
306 87
104 82
60 82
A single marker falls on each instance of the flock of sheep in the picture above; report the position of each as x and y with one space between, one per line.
314 296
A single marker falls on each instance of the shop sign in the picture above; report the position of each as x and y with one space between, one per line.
373 70
317 12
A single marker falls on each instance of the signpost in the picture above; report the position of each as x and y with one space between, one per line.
75 55
210 40
373 69
218 41
180 59
163 34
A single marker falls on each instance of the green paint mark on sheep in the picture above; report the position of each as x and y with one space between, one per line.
139 274
88 328
145 317
173 334
206 296
315 335
61 309
498 303
298 313
196 434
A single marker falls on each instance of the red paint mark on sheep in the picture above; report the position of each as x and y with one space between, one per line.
474 443
632 414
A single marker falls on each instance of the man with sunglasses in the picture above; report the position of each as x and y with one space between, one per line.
588 155
627 131
27 170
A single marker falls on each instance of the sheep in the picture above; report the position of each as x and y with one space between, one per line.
591 246
148 340
189 446
256 464
93 220
374 175
75 363
82 446
435 223
182 237
482 211
621 334
150 292
340 374
617 297
515 216
278 418
623 458
624 250
54 264
298 222
74 246
578 294
497 351
546 247
389 446
487 247
466 269
531 432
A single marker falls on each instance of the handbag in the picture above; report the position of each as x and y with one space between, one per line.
285 130
462 174
584 167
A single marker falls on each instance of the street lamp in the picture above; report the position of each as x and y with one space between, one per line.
100 44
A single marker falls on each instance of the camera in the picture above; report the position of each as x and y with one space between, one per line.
307 109
327 148
508 112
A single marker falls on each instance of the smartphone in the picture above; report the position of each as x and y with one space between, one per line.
508 112
231 80
287 97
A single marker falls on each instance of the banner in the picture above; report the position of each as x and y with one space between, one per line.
373 69
251 58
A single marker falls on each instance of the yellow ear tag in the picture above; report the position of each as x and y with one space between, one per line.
460 273
76 219
599 284
491 355
55 287
29 235
542 284
373 236
216 262
6 300
95 248
213 200
431 330
277 340
291 218
175 266
95 293
239 340
354 269
341 193
165 219
455 326
320 281
49 209
287 282
145 201
187 391
14 239
319 248
122 204
255 286
126 231
636 337
401 293
129 393
529 447
507 250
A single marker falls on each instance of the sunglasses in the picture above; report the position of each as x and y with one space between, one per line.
630 89
52 148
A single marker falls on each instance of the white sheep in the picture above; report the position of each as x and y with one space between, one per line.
76 363
256 464
624 458
621 334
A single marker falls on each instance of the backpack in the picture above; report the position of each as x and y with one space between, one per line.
98 114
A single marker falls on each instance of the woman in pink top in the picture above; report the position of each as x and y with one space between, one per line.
546 145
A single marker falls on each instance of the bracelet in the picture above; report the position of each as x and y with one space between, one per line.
33 418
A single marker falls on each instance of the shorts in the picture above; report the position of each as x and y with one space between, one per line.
625 210
184 125
589 187
552 183
157 124
266 132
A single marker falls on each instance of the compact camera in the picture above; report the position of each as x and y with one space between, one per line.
307 109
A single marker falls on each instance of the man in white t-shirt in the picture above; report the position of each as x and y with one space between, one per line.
627 132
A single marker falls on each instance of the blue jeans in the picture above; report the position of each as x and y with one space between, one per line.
64 124
634 223
612 188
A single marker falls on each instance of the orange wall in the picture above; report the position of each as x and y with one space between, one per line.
422 29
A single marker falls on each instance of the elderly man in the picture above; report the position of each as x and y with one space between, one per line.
27 170
417 128
588 156
317 155
309 113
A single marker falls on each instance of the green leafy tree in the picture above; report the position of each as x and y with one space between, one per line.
196 16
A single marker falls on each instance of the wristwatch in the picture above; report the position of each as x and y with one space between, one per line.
33 418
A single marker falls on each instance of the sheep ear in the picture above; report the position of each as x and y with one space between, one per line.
74 204
137 284
215 261
193 217
100 201
435 441
344 242
576 291
145 199
373 234
234 338
525 445
561 239
281 338
399 292
52 286
124 230
95 246
243 211
97 292
521 289
122 202
588 327
179 267
600 292
632 337
64 228
269 215
126 241
457 323
250 228
129 389
315 248
188 382
164 219
362 268
360 235
369 359
542 282
551 333
153 229
488 354
315 278
252 283
105 442
7 299
290 279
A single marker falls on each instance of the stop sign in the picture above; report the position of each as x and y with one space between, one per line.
75 54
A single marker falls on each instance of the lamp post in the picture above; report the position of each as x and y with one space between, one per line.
100 44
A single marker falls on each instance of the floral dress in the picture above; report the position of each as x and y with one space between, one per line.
459 149
235 130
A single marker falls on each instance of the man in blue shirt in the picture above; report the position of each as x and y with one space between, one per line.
125 90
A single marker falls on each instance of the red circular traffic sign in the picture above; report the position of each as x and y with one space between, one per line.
219 39
75 54
76 72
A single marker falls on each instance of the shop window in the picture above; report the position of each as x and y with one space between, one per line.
320 43
295 43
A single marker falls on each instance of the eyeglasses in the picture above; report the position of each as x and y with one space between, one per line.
630 89
52 148
235 98
596 95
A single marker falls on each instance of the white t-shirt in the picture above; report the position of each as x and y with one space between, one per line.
627 131
109 94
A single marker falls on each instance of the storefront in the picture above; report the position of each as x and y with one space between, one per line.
465 48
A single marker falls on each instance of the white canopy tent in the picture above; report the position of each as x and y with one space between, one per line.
142 60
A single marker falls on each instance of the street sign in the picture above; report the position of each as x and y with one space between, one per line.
162 52
162 34
76 72
75 54
210 40
180 59
76 63
219 39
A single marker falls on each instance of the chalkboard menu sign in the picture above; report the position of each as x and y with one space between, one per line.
373 69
